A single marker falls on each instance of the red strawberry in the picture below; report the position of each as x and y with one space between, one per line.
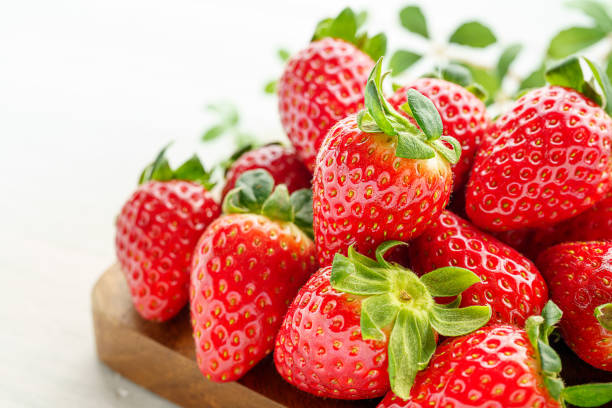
551 161
579 275
464 117
247 267
499 366
372 185
282 164
324 82
595 224
157 231
511 284
362 326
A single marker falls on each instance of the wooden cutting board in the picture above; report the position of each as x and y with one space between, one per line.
161 358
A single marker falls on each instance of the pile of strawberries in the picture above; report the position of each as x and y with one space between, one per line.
430 260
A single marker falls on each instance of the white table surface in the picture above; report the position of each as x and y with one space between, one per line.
89 91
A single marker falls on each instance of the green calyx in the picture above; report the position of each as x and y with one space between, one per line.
585 76
539 328
461 76
255 193
400 303
603 314
420 142
191 170
346 27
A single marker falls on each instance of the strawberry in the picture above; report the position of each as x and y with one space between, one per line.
379 177
595 224
361 326
248 265
580 278
551 159
324 82
510 283
464 117
282 163
157 230
499 366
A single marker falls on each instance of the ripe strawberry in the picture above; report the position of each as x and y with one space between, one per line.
510 283
324 82
595 224
551 161
580 278
499 366
464 117
379 177
361 326
157 230
247 267
282 163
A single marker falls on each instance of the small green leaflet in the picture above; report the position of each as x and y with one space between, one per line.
412 19
473 34
572 40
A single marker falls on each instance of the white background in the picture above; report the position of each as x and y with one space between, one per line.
89 91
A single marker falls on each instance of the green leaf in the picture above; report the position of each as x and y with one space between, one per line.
269 88
596 10
375 108
409 147
609 66
366 123
377 312
404 354
283 54
451 155
383 248
344 26
452 305
535 79
449 281
554 386
357 279
375 46
412 19
487 78
473 34
572 40
588 395
457 74
457 322
427 340
214 132
551 315
361 18
252 189
478 91
278 204
401 60
356 257
301 202
604 82
603 314
532 327
193 170
506 59
580 74
549 359
158 170
425 113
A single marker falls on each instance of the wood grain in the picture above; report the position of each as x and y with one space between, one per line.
161 358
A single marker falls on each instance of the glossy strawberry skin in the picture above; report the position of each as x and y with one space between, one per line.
549 162
464 117
282 164
319 348
246 270
320 85
492 367
579 275
157 231
364 195
595 224
511 284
